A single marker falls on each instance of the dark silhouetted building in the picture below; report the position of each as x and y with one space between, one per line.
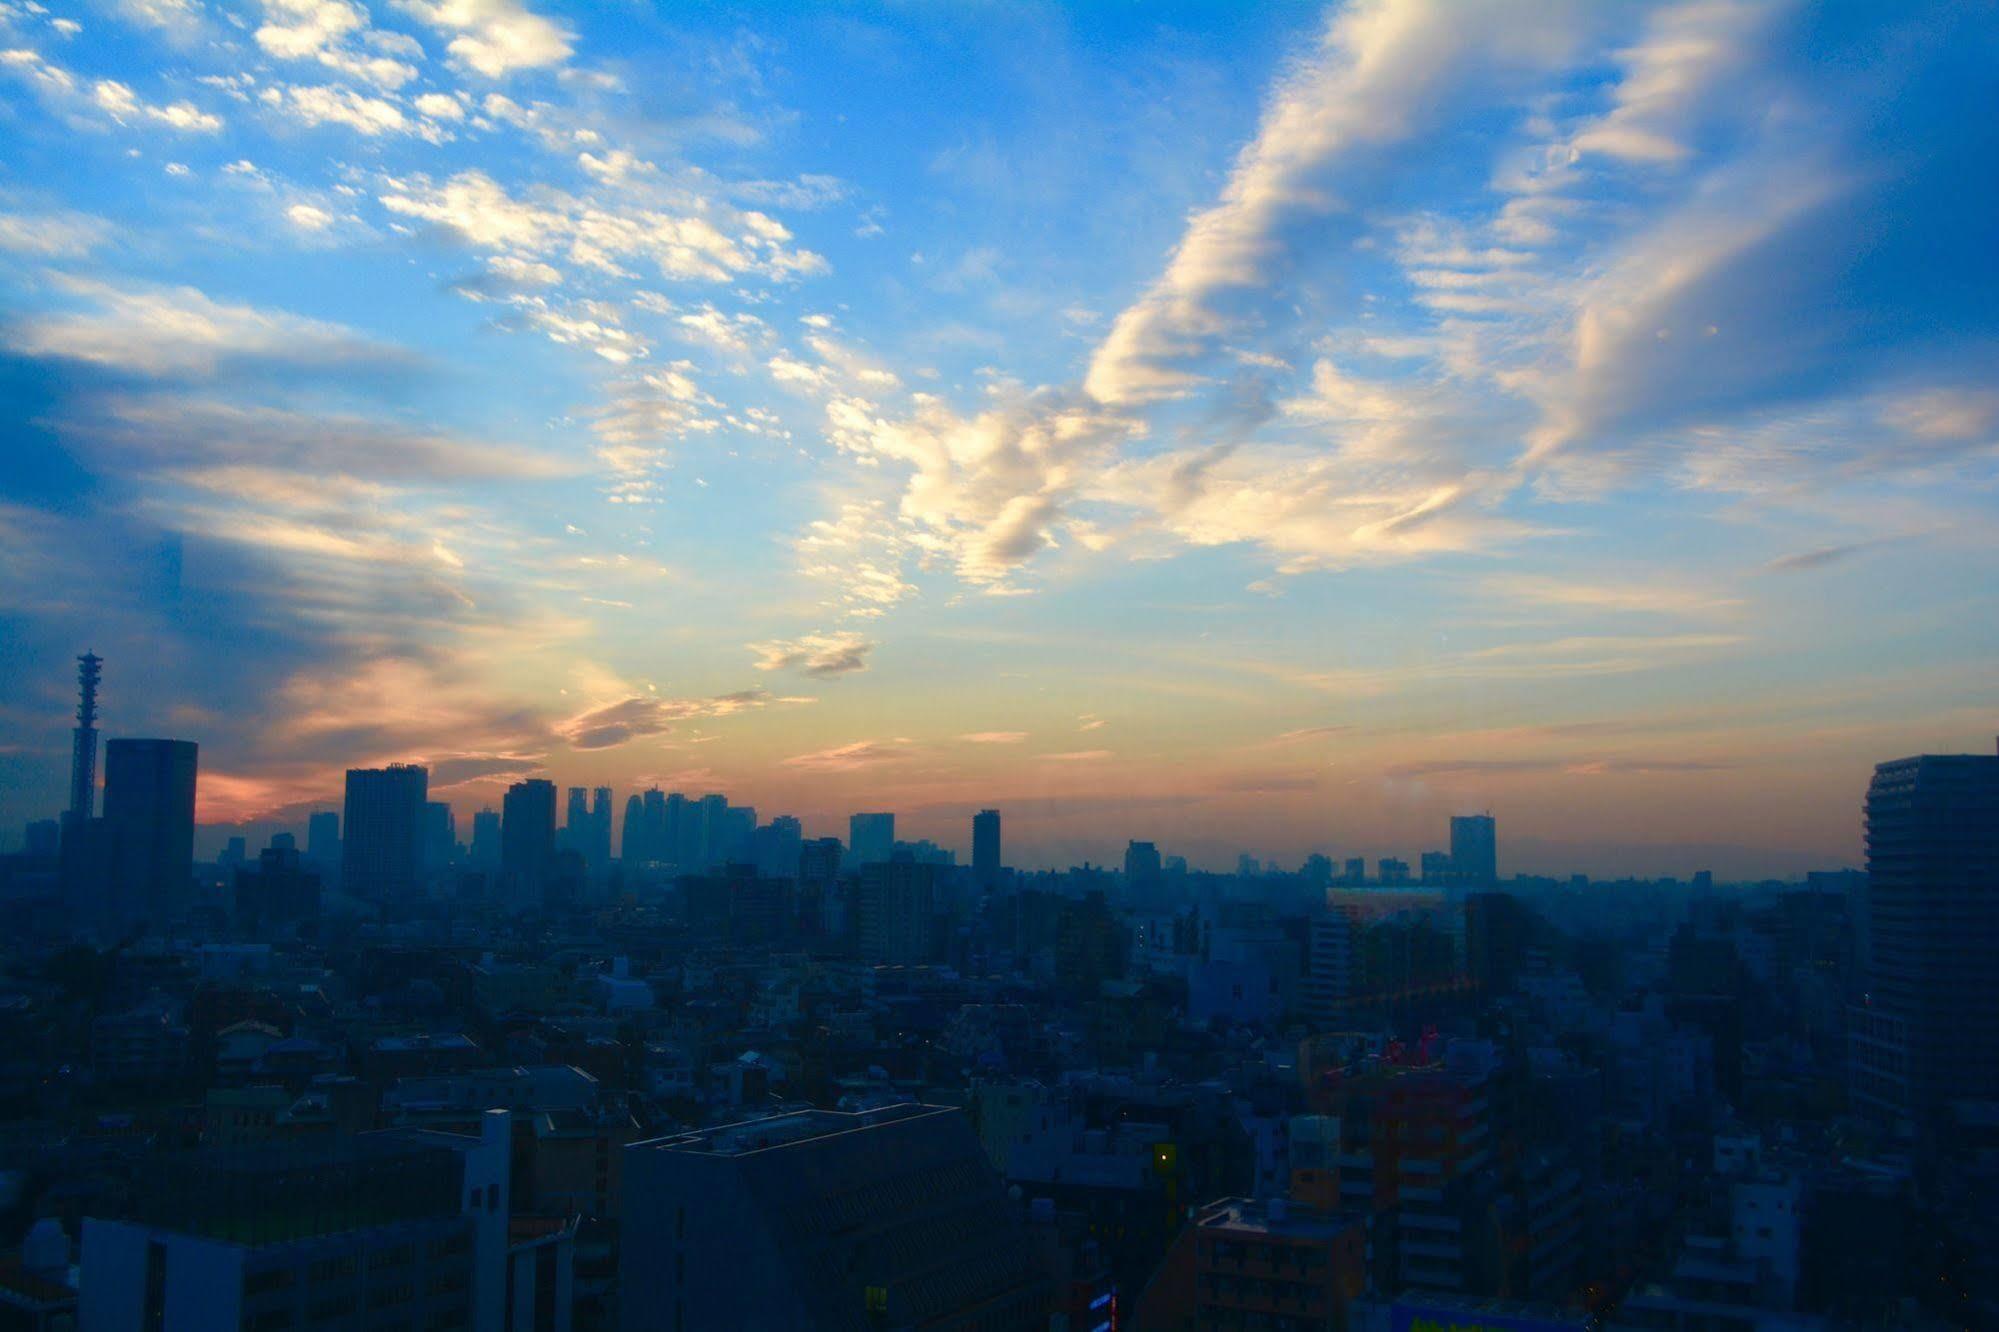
870 839
897 911
986 848
599 849
279 890
322 841
1475 849
527 836
1928 1030
631 832
149 818
1142 871
818 1220
381 855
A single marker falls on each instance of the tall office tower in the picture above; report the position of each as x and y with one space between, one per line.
381 856
652 828
83 751
897 909
485 850
527 836
715 826
322 840
682 833
1475 850
149 814
632 834
599 850
1929 1029
986 849
576 822
819 1220
870 839
440 836
1142 870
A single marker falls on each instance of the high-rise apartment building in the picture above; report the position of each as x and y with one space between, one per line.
322 840
381 857
870 839
1928 1029
986 848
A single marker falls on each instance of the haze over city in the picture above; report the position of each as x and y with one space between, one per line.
1256 428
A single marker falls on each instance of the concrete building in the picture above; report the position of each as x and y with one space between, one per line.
889 1219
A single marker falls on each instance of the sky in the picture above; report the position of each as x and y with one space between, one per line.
1270 428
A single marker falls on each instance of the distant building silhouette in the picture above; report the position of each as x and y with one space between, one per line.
485 848
986 848
381 857
870 839
1929 1029
898 906
1142 870
631 833
1475 849
527 837
149 815
599 849
440 835
576 822
322 841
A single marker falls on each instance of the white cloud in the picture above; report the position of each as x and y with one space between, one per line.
179 330
495 37
324 104
815 654
61 235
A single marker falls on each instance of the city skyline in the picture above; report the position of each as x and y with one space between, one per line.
1245 428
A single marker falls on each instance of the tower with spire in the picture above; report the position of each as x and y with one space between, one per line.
83 758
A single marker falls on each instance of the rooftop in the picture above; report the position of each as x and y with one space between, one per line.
1275 1217
788 1130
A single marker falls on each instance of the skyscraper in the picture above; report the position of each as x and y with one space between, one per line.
149 812
599 850
382 853
986 848
1142 869
631 835
83 753
576 822
322 840
870 839
527 836
440 835
1929 1027
485 850
1475 850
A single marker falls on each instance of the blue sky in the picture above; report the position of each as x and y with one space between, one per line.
1253 427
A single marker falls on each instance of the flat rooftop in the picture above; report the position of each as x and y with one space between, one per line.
1284 1221
788 1130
